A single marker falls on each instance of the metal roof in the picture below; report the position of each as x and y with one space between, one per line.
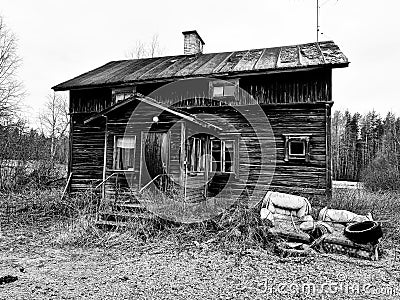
124 72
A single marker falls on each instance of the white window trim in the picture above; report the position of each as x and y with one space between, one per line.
223 158
116 137
125 92
297 137
303 142
223 84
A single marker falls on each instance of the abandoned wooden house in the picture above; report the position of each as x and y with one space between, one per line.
197 132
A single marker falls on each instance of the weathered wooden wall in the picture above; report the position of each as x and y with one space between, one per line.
143 122
287 87
298 177
295 87
293 102
86 153
89 100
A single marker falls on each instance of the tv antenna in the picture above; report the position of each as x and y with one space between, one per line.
317 20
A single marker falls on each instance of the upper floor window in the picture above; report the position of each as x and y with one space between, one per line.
224 90
121 94
124 153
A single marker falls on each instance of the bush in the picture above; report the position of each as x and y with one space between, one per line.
381 174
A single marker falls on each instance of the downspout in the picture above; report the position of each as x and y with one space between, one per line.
105 158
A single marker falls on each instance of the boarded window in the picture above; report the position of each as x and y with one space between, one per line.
124 153
297 147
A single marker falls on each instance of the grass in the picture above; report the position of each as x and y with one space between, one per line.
70 222
384 206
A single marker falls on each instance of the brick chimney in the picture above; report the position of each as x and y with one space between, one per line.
193 43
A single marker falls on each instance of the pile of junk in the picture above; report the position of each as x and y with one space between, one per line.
332 231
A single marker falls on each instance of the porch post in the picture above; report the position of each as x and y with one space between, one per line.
183 156
105 158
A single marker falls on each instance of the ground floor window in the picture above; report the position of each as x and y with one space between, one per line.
297 147
196 158
219 155
124 153
223 154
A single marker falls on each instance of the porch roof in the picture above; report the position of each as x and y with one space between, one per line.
184 115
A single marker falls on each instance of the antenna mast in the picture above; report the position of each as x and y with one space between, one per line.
317 20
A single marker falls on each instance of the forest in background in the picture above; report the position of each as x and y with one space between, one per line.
366 148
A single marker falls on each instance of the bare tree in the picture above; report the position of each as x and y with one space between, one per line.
54 119
11 90
142 50
138 51
154 49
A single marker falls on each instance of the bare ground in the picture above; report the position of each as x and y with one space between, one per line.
163 270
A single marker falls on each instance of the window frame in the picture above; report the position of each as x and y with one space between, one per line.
115 153
224 83
223 155
125 92
207 146
297 138
196 167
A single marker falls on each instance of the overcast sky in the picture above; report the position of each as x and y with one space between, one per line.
60 39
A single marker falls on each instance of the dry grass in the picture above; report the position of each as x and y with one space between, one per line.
384 206
71 221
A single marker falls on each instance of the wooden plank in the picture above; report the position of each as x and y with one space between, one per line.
328 153
209 66
229 64
268 59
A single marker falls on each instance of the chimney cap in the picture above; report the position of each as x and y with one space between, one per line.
193 32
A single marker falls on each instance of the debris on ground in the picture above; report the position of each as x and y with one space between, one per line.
338 231
8 279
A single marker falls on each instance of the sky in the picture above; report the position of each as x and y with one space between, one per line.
60 39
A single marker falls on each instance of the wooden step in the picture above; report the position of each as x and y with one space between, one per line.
110 224
123 217
130 206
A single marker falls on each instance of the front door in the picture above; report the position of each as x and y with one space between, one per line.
155 155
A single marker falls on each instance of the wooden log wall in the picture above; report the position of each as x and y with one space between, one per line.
86 141
86 158
306 178
288 87
296 177
90 100
304 111
118 124
295 87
